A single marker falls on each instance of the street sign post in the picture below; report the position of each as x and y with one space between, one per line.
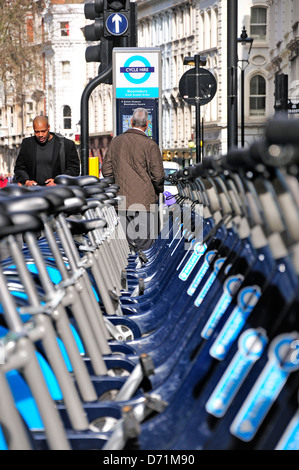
207 87
115 25
197 87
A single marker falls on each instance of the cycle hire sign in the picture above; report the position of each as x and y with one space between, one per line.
137 73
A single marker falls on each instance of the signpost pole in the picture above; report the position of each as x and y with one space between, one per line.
197 108
197 87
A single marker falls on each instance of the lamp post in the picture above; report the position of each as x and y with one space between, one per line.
246 45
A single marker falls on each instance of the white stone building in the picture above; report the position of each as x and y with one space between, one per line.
65 71
183 28
180 28
64 75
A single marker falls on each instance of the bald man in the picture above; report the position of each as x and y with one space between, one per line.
44 156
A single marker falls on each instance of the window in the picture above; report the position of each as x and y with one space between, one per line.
64 28
209 150
208 32
30 29
67 117
257 96
167 73
174 27
180 20
215 149
187 21
66 70
166 29
258 23
175 72
214 28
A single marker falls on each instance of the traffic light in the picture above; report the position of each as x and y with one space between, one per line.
117 18
112 19
101 52
94 32
120 22
94 11
114 25
105 49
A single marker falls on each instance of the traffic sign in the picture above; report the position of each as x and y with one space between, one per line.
117 24
207 82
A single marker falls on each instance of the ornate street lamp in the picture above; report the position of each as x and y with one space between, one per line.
244 51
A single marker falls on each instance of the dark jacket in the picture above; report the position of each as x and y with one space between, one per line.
135 162
25 167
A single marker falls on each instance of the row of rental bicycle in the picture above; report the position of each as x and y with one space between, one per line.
190 345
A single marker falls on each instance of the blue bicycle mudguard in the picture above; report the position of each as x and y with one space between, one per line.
26 317
50 378
21 295
3 444
55 276
53 272
65 355
78 340
24 401
48 374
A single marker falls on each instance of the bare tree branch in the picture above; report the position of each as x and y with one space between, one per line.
20 44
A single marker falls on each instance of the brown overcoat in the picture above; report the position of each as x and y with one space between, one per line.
135 162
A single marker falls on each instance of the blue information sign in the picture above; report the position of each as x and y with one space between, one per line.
137 84
117 24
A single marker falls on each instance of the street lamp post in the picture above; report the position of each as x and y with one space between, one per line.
246 44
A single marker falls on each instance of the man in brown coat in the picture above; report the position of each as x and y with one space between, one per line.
135 162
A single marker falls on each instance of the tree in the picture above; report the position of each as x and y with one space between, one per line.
21 63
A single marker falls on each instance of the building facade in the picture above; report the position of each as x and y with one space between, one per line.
63 75
191 27
67 74
180 29
21 98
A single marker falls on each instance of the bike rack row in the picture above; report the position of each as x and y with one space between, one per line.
191 345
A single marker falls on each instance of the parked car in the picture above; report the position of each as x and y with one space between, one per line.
169 188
